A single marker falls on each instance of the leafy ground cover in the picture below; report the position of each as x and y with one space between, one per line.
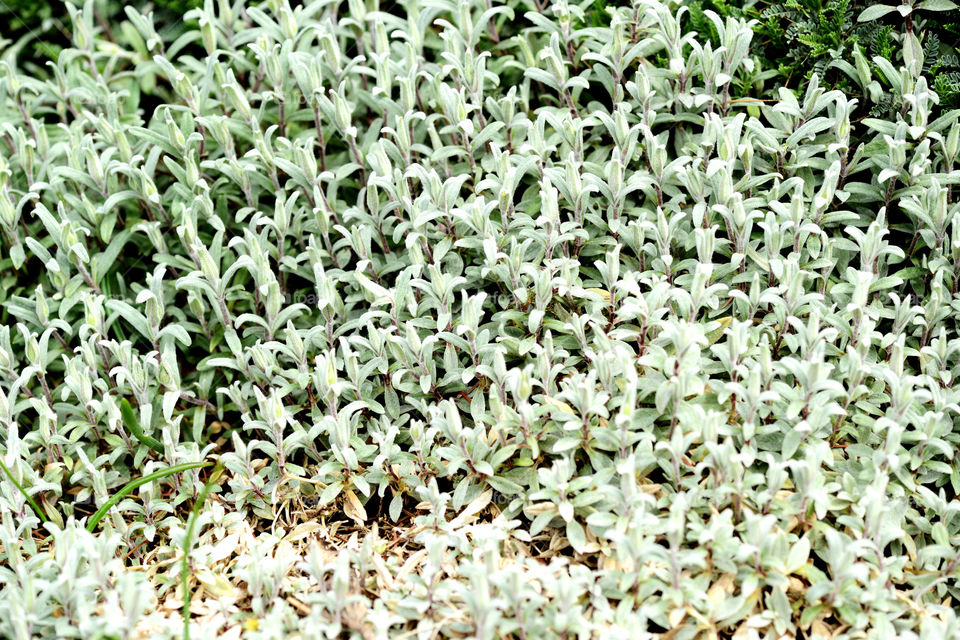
469 319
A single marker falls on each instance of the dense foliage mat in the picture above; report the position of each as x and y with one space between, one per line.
499 321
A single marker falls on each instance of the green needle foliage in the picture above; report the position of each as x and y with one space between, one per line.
26 496
133 484
131 422
505 319
188 541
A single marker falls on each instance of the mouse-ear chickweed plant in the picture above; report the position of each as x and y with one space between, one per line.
515 319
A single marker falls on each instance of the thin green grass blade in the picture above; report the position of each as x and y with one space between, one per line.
26 495
130 420
188 542
133 484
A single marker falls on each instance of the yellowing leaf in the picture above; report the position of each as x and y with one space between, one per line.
717 333
216 584
603 293
563 406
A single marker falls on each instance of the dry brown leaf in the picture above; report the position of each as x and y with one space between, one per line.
745 632
354 616
233 633
476 505
652 489
720 589
796 588
819 629
676 616
383 574
298 605
353 508
536 509
413 561
301 531
225 548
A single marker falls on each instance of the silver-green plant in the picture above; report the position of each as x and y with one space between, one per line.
505 319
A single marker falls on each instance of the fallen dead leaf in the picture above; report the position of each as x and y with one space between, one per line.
353 508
